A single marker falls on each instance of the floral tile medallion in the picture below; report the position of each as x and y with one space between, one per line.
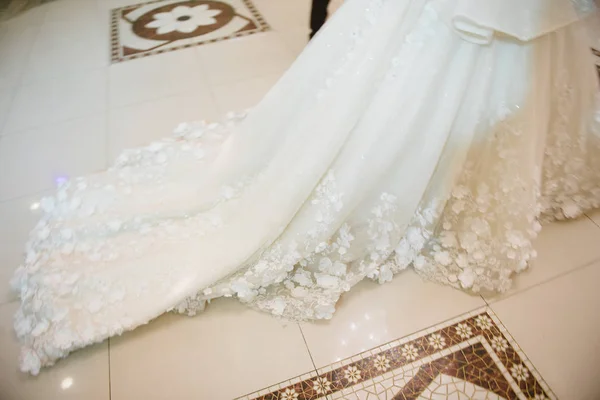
470 357
164 25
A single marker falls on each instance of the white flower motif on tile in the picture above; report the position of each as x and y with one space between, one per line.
321 385
483 322
499 344
183 19
410 352
381 363
519 372
289 394
352 374
464 331
437 341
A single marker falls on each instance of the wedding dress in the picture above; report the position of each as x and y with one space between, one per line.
431 134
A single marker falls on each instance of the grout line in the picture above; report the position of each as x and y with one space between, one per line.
109 373
27 130
484 300
37 193
307 347
592 220
314 370
207 80
543 282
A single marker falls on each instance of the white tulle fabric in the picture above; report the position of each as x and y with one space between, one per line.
390 143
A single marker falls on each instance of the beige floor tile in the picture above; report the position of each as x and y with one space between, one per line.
112 4
296 40
31 161
68 10
561 247
286 16
245 58
140 124
227 351
155 77
240 96
50 101
558 326
18 217
73 39
373 314
82 376
16 42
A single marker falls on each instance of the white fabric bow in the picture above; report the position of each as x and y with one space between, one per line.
479 20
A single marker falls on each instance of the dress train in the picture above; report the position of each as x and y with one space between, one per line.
392 142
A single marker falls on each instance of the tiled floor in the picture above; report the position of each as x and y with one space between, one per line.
470 357
66 109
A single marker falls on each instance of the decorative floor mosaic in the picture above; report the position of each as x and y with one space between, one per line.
164 25
471 357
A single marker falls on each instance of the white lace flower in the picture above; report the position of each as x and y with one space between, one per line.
443 258
410 352
381 363
289 394
519 372
321 385
385 274
183 19
352 374
467 277
437 341
464 331
499 343
483 322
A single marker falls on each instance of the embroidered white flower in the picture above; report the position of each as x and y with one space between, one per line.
183 19
519 372
464 331
410 352
289 394
352 374
321 385
499 343
381 363
483 322
437 341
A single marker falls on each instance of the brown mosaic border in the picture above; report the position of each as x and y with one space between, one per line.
117 13
474 347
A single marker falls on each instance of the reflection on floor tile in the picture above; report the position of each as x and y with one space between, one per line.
470 357
165 25
84 376
227 350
